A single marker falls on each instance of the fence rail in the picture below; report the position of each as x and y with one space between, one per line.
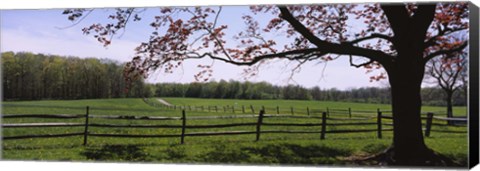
132 126
130 117
322 121
37 125
42 136
54 116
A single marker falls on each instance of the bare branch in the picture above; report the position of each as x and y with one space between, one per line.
77 22
373 36
211 32
198 38
359 65
125 23
216 17
296 69
437 73
297 55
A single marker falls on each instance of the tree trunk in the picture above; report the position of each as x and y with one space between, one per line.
405 78
449 106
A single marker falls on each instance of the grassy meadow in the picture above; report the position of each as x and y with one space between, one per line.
276 149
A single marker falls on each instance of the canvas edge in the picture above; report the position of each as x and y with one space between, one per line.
473 93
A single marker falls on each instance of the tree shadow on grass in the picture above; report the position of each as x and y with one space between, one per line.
128 153
284 154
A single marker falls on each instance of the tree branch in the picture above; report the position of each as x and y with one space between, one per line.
437 73
299 54
431 41
297 69
398 17
372 36
448 51
125 23
422 19
359 65
77 22
216 37
341 49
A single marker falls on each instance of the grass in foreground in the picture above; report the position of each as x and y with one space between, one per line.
277 149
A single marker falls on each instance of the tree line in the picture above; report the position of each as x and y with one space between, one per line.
28 76
262 90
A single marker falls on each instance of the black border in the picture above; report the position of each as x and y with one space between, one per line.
473 106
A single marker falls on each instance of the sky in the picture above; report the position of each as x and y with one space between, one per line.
48 31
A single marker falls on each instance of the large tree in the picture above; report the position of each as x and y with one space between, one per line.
400 38
449 73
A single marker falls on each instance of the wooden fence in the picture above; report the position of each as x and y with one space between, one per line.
320 126
243 109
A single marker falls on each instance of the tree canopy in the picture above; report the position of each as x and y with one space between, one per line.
309 33
400 38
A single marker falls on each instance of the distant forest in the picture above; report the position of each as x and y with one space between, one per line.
263 90
28 76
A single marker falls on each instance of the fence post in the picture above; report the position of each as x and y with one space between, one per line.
350 112
429 124
308 111
184 123
291 108
251 107
278 110
243 108
259 124
216 108
324 125
233 109
224 109
379 124
328 112
85 133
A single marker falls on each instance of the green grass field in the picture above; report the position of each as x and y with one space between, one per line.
287 149
299 105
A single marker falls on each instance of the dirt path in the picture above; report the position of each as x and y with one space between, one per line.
164 102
